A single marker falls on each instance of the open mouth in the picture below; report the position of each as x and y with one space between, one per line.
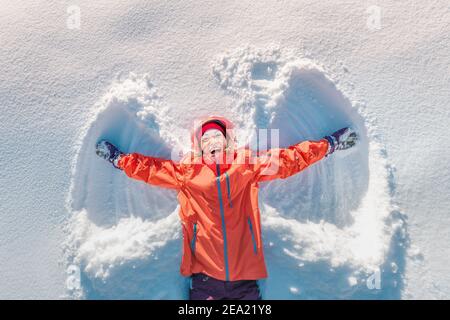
215 150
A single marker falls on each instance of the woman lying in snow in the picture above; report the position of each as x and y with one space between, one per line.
217 187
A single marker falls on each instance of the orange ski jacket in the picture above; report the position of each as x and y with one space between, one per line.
219 210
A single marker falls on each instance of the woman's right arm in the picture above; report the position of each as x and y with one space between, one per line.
155 171
152 170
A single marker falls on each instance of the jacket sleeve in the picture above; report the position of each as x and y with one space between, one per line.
282 163
155 171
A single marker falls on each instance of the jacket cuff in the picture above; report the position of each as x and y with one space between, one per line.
331 145
117 163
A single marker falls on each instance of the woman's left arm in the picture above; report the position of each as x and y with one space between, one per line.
285 162
281 163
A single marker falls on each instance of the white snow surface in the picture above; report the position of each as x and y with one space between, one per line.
139 72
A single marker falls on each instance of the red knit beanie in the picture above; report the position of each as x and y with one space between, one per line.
212 124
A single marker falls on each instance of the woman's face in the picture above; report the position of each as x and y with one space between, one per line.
213 143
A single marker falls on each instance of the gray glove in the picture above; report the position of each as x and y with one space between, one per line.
342 139
109 152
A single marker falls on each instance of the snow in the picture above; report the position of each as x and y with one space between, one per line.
139 73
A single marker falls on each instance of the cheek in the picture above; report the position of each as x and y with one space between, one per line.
204 145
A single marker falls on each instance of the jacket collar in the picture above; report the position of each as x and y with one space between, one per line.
223 165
